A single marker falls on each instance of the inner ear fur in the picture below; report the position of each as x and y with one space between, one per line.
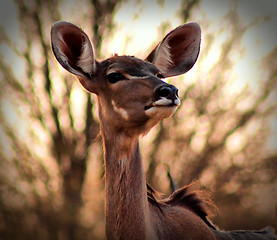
178 51
73 49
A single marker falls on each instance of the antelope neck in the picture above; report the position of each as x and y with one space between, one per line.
127 210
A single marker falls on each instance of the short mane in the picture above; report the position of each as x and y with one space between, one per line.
197 201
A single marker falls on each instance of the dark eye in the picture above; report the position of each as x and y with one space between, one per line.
115 77
159 75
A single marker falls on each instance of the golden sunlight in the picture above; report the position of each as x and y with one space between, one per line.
223 133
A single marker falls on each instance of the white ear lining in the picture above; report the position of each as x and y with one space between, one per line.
86 60
63 60
163 57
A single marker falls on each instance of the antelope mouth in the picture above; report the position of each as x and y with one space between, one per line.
162 103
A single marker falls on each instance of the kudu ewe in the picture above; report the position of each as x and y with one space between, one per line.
132 98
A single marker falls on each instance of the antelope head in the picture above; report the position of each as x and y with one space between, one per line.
132 97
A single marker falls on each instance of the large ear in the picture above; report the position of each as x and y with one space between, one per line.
73 49
178 51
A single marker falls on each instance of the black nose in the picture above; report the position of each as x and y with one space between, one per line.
166 91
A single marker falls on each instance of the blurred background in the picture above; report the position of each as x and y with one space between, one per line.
223 134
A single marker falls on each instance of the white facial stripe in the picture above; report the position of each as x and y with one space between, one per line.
137 77
122 112
112 71
128 76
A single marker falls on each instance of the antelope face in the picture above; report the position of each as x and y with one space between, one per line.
133 93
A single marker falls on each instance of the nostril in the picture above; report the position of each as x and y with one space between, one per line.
164 92
176 93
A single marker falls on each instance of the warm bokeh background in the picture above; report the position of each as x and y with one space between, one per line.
224 133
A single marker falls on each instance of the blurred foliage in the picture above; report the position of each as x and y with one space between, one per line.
51 159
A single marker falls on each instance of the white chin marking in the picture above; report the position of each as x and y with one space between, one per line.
163 107
165 102
162 102
161 111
